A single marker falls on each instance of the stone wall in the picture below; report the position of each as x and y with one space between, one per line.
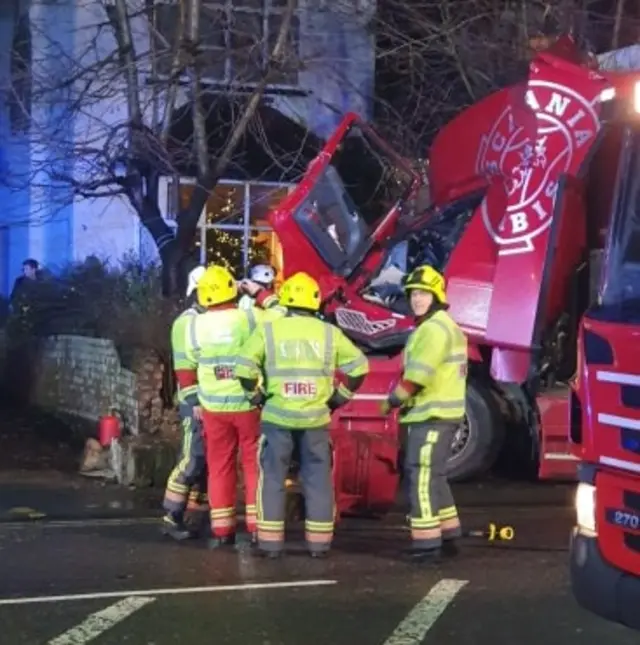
89 377
84 377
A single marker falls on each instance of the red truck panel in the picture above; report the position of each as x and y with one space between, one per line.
366 446
617 511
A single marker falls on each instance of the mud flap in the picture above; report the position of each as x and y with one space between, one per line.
556 459
366 460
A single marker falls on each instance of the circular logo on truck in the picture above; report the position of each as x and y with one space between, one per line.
532 165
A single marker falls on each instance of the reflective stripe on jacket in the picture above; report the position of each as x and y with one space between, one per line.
213 341
435 358
179 332
299 356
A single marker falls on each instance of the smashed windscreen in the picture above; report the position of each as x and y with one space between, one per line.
372 176
430 244
358 187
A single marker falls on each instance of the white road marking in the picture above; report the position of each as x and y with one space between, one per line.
414 627
252 586
101 621
71 524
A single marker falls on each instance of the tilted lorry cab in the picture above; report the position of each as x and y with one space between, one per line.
502 209
605 399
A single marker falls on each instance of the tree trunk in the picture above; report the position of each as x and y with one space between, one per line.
141 183
189 217
615 39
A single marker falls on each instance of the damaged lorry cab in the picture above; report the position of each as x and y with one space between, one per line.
511 206
605 404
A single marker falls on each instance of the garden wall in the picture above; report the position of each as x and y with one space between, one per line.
88 377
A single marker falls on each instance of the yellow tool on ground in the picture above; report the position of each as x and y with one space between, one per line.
25 511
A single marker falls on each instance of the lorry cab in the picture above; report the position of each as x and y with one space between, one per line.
500 210
605 397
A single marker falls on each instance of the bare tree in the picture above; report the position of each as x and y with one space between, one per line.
436 58
148 55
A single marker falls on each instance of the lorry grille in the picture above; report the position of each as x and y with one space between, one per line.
632 502
630 395
632 541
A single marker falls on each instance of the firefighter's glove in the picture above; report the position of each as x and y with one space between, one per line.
385 407
395 400
337 400
257 398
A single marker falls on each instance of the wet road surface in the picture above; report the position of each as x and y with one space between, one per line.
142 590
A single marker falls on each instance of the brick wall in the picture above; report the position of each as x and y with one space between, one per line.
83 377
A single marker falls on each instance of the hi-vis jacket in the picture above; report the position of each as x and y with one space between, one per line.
179 346
299 356
435 358
211 343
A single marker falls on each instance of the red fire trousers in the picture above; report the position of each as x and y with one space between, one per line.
226 434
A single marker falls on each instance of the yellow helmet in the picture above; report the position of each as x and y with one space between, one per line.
426 278
216 286
302 291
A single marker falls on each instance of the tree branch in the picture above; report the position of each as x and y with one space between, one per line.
188 220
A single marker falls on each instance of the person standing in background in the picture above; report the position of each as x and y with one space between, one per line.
263 276
22 285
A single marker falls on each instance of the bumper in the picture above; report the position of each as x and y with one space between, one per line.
600 587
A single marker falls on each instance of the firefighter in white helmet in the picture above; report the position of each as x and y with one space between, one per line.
264 276
187 485
431 398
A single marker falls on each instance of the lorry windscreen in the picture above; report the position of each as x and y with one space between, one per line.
620 292
371 175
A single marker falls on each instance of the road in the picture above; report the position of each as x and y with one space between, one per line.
117 581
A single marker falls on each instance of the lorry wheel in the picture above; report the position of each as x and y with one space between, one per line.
478 441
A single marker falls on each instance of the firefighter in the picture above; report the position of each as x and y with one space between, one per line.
187 484
431 398
261 276
230 420
298 355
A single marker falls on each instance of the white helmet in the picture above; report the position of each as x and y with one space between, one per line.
262 274
194 278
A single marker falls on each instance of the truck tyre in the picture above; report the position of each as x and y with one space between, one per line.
477 444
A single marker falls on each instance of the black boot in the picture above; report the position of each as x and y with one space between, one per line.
199 525
450 549
425 556
218 542
267 554
247 542
174 527
319 555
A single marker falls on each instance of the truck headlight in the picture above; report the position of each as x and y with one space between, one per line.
586 507
636 96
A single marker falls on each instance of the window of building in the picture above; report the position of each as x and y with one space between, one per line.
234 228
236 39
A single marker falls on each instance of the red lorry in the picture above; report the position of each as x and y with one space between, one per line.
512 206
605 397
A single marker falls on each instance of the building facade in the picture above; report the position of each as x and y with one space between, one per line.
54 132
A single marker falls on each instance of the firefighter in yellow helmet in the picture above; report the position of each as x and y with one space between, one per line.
299 355
230 419
431 398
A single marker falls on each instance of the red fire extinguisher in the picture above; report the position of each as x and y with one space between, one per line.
109 428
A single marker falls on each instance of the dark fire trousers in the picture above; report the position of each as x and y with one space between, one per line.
274 457
434 516
187 484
